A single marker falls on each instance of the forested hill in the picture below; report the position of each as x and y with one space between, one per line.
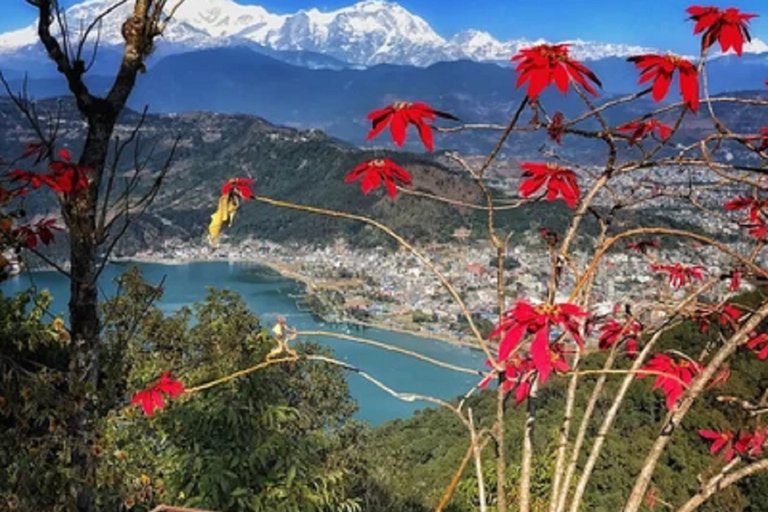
306 167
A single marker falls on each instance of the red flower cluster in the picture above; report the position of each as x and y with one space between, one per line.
374 172
399 115
661 68
152 397
755 342
559 181
725 315
641 129
728 27
545 64
672 376
240 186
613 332
679 274
749 444
523 319
64 177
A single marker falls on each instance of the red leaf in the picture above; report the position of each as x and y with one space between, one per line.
545 64
374 172
152 397
399 115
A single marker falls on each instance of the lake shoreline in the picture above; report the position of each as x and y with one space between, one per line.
279 268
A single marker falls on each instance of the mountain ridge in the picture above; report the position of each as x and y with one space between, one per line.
367 33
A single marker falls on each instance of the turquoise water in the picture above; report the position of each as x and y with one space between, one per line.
269 295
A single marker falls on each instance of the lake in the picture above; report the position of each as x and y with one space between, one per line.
269 295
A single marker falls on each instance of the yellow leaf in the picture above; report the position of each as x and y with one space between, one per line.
225 213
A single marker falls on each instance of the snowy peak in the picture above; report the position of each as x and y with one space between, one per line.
366 33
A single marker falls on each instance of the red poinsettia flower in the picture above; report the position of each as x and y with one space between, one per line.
757 229
524 318
753 206
555 127
614 332
518 374
374 172
754 444
672 376
641 129
558 180
679 274
399 115
755 342
728 27
241 186
762 138
545 64
660 69
152 397
720 441
642 246
725 315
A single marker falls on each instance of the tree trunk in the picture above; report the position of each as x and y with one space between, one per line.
85 324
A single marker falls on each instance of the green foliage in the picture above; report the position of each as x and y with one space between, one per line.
276 439
422 453
33 360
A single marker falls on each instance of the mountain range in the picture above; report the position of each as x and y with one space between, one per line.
367 33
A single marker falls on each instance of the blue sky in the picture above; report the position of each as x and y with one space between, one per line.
614 21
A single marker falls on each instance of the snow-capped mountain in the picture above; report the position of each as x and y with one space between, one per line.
366 33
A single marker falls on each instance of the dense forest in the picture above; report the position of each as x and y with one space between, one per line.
283 437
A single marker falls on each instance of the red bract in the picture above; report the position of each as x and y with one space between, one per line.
152 397
641 129
720 441
544 64
728 27
241 186
753 206
725 315
30 178
558 180
555 128
524 318
35 148
762 139
373 172
735 281
614 332
755 342
660 69
679 274
672 376
746 444
67 177
519 372
642 246
399 115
